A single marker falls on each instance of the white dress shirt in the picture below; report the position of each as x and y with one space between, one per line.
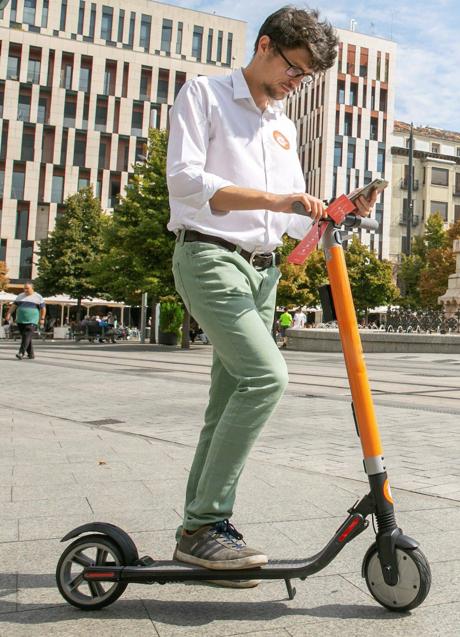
219 137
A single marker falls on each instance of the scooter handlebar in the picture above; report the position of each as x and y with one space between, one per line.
350 221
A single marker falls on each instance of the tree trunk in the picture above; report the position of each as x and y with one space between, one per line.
186 331
78 309
153 321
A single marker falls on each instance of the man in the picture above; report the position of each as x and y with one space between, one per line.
233 175
30 311
285 323
300 318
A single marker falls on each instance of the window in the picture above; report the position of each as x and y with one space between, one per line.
22 223
123 154
44 103
63 15
338 153
42 222
374 128
4 140
25 259
166 35
85 75
163 85
209 49
2 186
66 71
104 152
220 38
435 148
84 121
57 188
24 108
83 179
145 84
14 10
45 9
110 74
348 124
137 119
70 111
132 24
439 207
141 150
383 99
353 94
17 183
101 114
458 151
124 87
33 71
439 177
457 184
48 145
79 151
106 23
28 141
180 28
229 49
81 17
12 71
381 160
144 36
341 92
456 218
92 21
197 42
179 83
121 25
64 139
28 16
2 249
155 115
351 155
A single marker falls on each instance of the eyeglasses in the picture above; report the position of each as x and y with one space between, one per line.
295 71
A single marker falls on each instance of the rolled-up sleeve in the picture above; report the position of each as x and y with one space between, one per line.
188 181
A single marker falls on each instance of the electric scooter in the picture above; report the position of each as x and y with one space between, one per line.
96 568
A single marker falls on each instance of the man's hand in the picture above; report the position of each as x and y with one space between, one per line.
364 206
314 207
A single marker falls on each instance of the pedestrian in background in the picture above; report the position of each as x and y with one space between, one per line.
285 322
300 318
30 311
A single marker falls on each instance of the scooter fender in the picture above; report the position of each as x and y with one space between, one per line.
120 537
401 541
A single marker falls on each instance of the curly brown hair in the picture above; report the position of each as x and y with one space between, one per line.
293 28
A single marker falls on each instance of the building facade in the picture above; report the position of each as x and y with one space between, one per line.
344 124
435 181
80 84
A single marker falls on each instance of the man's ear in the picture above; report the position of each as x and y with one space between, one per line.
264 45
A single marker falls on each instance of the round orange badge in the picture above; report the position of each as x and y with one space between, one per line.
281 140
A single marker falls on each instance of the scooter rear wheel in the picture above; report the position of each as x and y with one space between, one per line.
413 584
89 550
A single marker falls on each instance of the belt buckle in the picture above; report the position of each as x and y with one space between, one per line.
259 254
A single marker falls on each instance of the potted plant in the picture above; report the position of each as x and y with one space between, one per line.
171 318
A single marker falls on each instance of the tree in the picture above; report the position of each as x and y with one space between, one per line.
371 279
138 247
67 255
4 280
294 287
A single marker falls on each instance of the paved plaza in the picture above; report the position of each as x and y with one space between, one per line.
107 432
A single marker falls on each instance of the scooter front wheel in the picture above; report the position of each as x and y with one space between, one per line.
414 579
89 550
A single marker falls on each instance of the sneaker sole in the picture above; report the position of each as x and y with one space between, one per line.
254 561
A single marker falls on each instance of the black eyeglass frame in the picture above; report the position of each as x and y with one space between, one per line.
305 78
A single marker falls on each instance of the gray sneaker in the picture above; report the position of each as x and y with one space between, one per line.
218 546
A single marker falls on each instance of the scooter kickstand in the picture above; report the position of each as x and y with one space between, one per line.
290 589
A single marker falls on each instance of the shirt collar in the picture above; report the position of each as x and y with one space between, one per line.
241 91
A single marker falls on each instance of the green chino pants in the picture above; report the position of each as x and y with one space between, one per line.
234 304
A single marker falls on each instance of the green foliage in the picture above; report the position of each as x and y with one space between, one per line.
425 273
371 279
69 252
138 246
4 280
171 315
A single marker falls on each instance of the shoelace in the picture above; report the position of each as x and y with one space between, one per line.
229 533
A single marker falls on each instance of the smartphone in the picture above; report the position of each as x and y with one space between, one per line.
376 184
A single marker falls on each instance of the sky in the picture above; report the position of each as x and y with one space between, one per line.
427 33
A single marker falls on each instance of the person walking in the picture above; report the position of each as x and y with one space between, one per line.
233 175
30 311
285 323
300 318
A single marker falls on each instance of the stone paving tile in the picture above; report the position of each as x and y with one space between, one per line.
9 530
32 509
5 494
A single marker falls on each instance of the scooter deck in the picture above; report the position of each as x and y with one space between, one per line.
173 571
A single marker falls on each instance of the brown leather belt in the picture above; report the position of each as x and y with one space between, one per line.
261 261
